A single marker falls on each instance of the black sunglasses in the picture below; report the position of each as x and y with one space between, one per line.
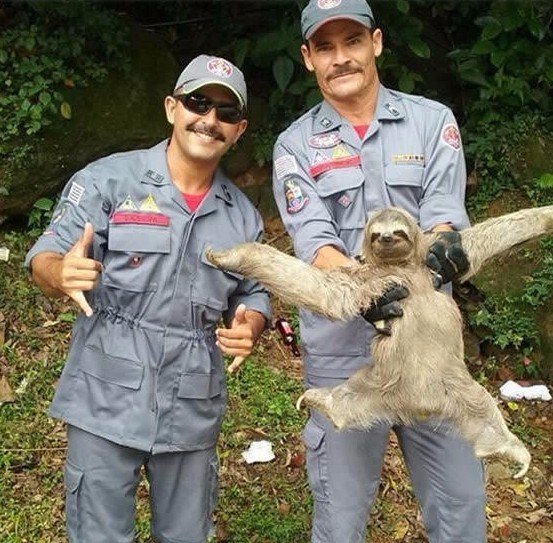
202 105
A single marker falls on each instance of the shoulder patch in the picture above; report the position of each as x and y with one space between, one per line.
451 136
295 199
285 165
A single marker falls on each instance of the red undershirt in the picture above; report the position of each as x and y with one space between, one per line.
193 200
361 130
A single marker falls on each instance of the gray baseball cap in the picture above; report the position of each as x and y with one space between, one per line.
319 12
208 70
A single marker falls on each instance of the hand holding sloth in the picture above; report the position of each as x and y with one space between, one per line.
418 370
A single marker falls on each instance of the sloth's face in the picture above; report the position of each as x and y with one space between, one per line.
388 239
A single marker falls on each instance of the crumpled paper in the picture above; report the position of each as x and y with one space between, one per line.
513 391
259 451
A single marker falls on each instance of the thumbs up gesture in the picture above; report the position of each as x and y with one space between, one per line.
78 272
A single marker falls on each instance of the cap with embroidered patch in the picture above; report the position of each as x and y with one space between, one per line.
320 12
208 70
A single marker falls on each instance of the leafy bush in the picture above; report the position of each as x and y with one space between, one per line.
47 47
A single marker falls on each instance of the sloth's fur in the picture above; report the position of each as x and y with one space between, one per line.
418 371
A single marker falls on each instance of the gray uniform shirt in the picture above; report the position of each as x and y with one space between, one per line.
143 370
327 181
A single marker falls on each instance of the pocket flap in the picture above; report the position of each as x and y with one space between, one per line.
111 369
313 435
139 238
72 477
338 181
199 386
404 175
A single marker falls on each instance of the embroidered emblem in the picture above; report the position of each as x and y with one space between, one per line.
285 165
149 204
220 67
318 158
408 159
136 217
328 4
128 204
324 141
343 162
295 199
344 200
75 193
451 136
340 152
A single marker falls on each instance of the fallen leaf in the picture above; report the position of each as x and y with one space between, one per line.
6 393
535 516
65 110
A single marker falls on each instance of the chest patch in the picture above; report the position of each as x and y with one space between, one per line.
137 217
325 141
408 159
128 204
347 161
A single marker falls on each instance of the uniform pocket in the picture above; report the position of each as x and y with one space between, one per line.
317 462
111 369
212 288
198 409
73 478
199 386
135 254
404 186
342 193
321 337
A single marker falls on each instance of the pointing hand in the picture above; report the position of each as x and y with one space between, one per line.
80 273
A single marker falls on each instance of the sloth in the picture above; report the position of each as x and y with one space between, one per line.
418 371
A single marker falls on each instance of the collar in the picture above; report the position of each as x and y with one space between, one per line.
156 172
388 107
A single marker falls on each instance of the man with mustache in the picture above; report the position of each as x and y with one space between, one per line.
362 148
144 384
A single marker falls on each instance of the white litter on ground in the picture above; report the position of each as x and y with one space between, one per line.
513 391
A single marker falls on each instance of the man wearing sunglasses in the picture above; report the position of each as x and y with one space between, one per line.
144 384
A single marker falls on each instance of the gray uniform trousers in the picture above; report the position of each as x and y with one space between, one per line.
101 480
344 470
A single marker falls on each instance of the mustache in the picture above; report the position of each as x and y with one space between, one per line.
342 70
203 128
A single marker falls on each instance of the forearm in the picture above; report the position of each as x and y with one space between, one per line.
46 271
329 257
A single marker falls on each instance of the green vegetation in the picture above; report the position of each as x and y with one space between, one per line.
46 47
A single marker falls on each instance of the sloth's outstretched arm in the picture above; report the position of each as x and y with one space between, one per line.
336 294
494 236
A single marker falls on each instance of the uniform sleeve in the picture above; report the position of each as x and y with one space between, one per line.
250 293
80 202
443 198
303 212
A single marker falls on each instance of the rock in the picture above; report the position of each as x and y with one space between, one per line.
123 112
